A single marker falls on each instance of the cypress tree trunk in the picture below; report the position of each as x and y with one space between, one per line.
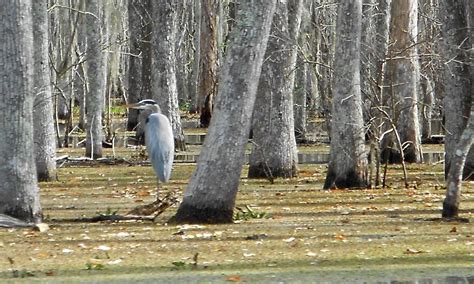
457 77
44 135
164 85
135 27
96 82
403 79
274 152
19 194
211 193
208 61
454 177
348 158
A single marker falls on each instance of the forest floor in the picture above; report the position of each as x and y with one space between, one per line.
290 231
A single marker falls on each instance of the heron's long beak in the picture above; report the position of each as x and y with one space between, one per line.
135 106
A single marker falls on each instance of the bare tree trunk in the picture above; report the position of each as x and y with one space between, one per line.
184 51
146 66
458 100
193 83
300 94
457 77
348 157
208 60
374 48
303 86
63 39
136 14
96 81
427 108
164 85
147 49
44 135
310 37
274 152
454 177
81 77
428 38
326 14
403 80
19 193
211 193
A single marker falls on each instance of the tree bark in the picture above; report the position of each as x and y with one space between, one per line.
146 66
135 28
403 79
211 193
348 157
455 172
300 94
208 61
427 108
457 77
193 83
164 86
274 151
44 135
96 81
19 194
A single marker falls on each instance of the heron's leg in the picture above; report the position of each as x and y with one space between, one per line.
157 189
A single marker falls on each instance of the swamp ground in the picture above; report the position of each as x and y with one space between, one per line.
289 231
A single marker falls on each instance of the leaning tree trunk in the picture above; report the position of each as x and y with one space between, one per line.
164 85
19 194
96 81
44 135
207 61
403 79
211 193
457 80
348 157
459 93
454 177
274 151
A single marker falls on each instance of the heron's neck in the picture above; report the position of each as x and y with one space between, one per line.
155 109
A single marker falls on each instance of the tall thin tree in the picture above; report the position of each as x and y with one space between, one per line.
211 193
135 29
96 81
348 157
207 60
458 106
457 76
44 135
164 85
19 194
274 152
403 79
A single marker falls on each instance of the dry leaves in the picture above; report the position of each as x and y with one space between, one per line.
233 278
413 251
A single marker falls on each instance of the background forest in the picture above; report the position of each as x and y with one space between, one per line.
251 89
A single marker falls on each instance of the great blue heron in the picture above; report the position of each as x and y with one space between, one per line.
159 139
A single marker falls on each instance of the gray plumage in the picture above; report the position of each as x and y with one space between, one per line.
159 139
